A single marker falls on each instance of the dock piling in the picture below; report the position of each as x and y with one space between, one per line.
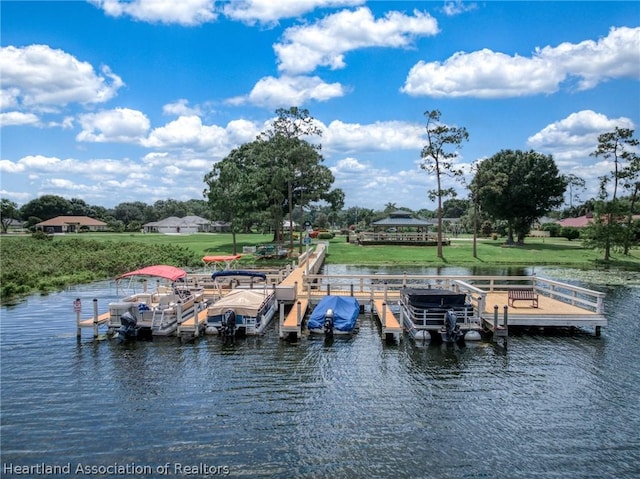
77 307
95 317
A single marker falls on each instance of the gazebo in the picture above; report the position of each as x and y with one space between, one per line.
400 227
401 221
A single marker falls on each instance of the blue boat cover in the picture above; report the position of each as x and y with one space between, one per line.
345 313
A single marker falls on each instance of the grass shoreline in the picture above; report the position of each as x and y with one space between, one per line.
29 266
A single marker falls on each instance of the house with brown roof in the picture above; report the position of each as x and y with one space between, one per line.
71 224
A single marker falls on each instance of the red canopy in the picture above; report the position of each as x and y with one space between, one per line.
161 270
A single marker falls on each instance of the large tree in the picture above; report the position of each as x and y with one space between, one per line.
286 138
258 177
230 193
438 158
46 207
518 187
619 148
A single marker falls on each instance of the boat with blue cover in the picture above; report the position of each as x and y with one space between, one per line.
334 315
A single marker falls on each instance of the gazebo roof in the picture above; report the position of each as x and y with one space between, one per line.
402 218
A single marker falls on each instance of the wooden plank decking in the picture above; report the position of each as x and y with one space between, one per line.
390 325
194 324
550 312
89 323
293 321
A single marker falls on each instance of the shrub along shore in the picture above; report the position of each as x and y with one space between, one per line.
29 265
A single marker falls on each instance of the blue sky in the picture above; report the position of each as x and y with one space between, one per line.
112 101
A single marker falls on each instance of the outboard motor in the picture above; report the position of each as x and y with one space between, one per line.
328 323
229 325
452 329
128 327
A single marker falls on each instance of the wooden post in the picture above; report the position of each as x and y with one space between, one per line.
351 289
281 314
384 314
505 334
77 307
328 289
95 317
299 312
495 319
179 313
196 325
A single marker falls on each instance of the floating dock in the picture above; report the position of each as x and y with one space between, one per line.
496 306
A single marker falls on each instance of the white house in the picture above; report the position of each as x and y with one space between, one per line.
175 225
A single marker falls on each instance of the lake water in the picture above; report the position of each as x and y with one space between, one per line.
561 405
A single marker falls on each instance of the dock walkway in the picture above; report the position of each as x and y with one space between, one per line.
391 328
292 324
194 326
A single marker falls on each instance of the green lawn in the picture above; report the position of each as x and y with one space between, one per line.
29 265
536 251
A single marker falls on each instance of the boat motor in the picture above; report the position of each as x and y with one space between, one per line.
328 323
128 327
452 329
228 324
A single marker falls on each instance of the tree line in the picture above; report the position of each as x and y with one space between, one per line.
279 178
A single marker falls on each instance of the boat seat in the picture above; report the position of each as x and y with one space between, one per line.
166 301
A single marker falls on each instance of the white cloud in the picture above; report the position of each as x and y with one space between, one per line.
183 12
374 187
483 74
13 118
39 76
181 108
8 97
488 74
378 136
325 42
452 8
188 133
121 125
289 90
575 137
270 11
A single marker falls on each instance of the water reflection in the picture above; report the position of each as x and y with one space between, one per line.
551 405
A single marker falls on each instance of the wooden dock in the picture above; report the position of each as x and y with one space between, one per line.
94 323
194 326
557 304
391 328
291 325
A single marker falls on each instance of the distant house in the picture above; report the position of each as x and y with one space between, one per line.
582 221
579 222
71 224
175 225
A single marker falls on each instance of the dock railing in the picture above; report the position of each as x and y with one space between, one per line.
388 287
574 295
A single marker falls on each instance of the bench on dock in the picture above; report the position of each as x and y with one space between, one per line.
522 294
